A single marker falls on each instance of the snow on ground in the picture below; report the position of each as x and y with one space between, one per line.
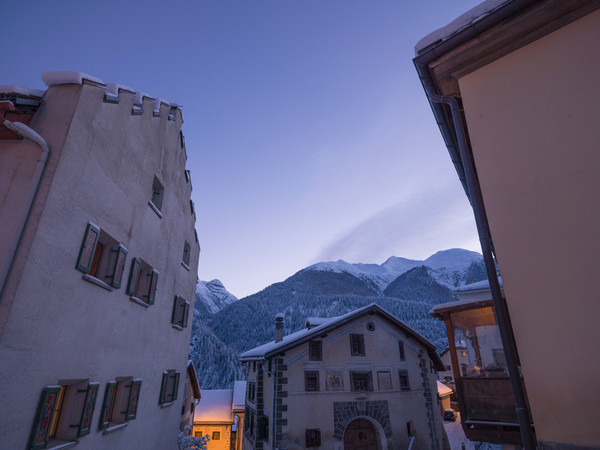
457 438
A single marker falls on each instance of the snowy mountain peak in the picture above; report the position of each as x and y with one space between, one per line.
454 258
211 296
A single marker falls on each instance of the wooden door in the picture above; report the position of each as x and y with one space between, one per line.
360 435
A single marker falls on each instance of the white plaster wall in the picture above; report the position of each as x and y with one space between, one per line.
61 326
533 121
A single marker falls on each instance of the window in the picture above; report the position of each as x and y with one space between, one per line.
181 308
263 428
401 348
251 391
357 345
168 387
249 419
404 383
185 259
156 200
384 380
447 367
313 438
463 354
192 208
64 413
409 429
361 381
121 399
142 281
499 357
216 435
101 258
198 434
311 381
315 350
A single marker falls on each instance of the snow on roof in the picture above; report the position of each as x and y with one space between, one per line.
443 389
463 21
312 322
470 303
67 77
293 339
239 395
479 286
20 90
215 406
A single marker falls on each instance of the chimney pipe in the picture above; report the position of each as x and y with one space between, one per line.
279 327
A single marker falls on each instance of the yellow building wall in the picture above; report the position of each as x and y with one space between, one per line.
533 120
224 430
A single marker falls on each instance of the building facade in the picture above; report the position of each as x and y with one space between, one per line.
363 380
99 261
513 86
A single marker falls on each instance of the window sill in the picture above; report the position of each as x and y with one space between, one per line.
139 302
56 444
97 282
177 327
114 428
155 209
166 405
185 266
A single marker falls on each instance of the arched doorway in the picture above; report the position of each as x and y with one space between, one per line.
360 434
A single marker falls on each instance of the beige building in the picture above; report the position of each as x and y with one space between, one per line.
219 416
360 381
514 88
98 258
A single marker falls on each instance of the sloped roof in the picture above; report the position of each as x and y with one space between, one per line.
215 406
292 340
443 390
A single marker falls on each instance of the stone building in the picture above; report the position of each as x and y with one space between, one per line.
362 380
99 257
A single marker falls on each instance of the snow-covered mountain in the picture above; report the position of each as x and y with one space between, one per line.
452 268
211 297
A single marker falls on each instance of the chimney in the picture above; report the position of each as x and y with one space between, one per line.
279 327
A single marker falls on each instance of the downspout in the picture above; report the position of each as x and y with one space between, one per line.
29 134
476 198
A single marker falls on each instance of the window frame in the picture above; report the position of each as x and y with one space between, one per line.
402 350
180 314
312 437
147 290
404 380
315 350
123 392
311 375
167 376
355 375
357 344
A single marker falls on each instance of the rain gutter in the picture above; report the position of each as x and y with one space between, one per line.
29 134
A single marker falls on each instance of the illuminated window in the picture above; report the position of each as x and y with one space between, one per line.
216 435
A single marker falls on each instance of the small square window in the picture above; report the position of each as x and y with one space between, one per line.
181 308
313 438
404 382
357 345
315 350
361 381
120 403
168 387
101 258
198 434
216 435
158 192
186 254
311 381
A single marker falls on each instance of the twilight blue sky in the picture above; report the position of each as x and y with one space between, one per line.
308 134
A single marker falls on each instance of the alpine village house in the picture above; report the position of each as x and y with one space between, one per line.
99 258
363 380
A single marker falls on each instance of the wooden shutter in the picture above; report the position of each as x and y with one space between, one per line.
174 320
119 267
175 386
186 312
134 276
152 290
43 417
134 397
88 246
107 404
163 388
85 424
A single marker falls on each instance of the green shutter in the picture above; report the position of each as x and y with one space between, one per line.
119 267
163 388
134 396
134 276
88 246
85 424
152 290
175 386
186 312
43 417
175 308
107 404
